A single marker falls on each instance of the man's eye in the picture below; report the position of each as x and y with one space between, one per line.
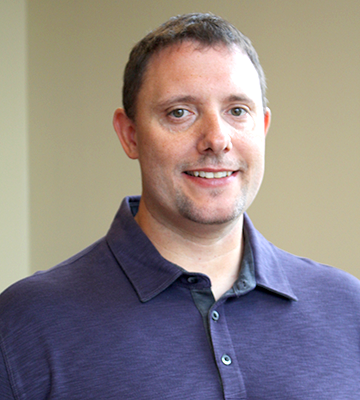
178 113
237 111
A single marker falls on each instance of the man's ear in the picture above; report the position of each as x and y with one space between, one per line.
126 132
267 120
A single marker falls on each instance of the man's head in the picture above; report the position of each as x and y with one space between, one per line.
197 125
207 30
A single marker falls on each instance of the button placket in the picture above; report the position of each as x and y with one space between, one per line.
228 367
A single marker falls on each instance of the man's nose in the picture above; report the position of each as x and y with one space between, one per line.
215 135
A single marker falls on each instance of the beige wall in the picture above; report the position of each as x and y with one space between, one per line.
78 174
14 199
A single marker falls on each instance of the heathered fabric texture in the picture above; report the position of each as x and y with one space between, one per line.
117 321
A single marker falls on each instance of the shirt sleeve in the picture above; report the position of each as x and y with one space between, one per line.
5 387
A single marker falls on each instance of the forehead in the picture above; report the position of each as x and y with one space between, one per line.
190 67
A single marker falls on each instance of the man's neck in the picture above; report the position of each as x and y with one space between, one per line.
214 250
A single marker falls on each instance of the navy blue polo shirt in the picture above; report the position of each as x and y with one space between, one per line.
118 321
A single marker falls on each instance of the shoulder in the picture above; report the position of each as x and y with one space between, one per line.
307 270
303 274
69 280
320 282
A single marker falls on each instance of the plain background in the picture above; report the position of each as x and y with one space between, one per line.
63 172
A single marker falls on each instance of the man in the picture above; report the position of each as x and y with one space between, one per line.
183 298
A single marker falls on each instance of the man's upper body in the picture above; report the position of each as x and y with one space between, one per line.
118 321
182 300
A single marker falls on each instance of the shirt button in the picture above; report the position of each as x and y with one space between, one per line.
215 315
226 360
192 279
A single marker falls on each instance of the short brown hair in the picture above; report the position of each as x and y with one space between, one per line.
206 29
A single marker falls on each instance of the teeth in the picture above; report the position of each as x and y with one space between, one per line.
210 175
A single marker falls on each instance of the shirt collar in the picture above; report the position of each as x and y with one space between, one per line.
150 273
146 269
269 273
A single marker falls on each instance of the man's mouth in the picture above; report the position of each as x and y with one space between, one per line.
210 175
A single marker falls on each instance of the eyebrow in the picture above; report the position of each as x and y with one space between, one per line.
177 99
192 99
242 99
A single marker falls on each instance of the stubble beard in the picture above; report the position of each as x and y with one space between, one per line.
189 210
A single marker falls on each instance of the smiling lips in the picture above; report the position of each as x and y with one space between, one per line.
210 175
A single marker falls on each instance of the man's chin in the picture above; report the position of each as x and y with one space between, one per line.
207 216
